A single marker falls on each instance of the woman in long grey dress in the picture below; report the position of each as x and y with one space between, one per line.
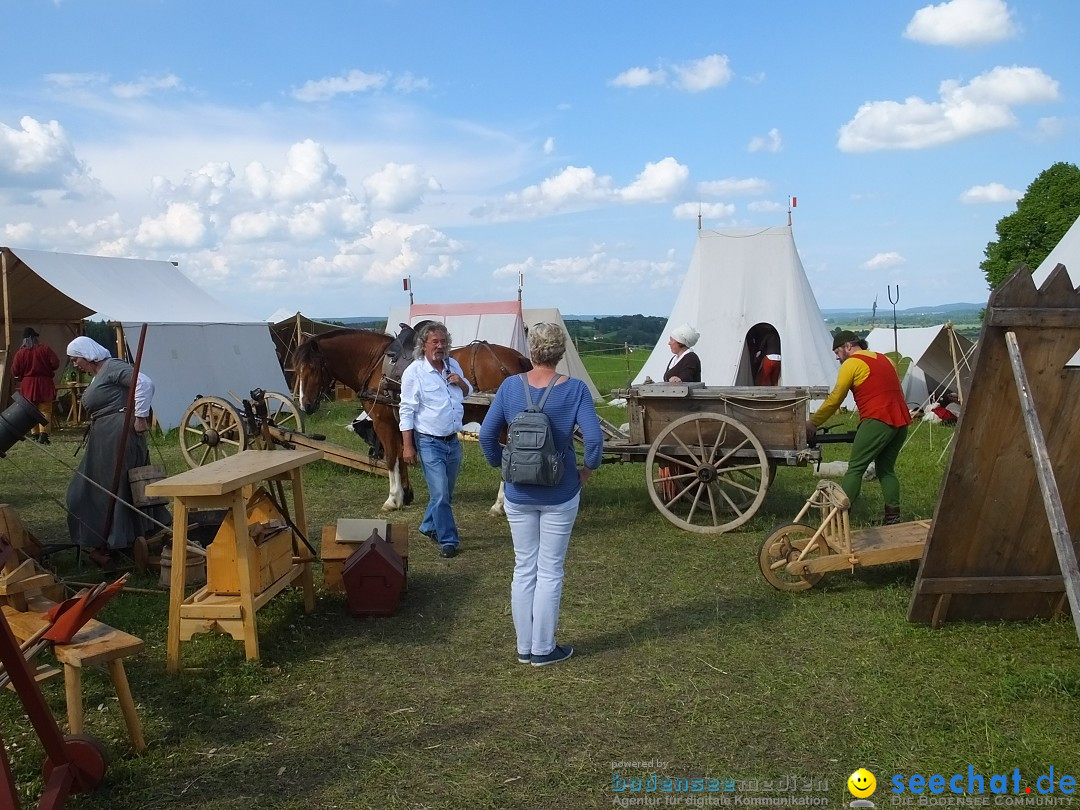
105 401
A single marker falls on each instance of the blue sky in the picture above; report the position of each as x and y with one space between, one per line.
309 156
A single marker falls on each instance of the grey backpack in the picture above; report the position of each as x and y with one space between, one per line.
530 455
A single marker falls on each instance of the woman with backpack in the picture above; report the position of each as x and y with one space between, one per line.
541 515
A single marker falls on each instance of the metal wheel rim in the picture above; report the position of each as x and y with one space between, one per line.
783 544
707 474
210 431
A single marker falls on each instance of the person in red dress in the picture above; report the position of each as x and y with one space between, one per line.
33 368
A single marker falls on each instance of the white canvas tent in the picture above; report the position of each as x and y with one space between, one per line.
195 346
571 364
940 358
502 322
739 278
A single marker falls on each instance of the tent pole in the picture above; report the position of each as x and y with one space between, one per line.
955 365
7 315
129 419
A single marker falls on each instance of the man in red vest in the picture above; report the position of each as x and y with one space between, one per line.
883 417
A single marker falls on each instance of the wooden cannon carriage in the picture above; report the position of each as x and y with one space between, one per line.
213 428
711 452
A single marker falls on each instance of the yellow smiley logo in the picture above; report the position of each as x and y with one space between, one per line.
861 783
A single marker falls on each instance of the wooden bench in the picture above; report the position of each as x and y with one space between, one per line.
96 643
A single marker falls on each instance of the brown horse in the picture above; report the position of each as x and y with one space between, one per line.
355 358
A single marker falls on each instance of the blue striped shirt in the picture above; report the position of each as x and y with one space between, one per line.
569 404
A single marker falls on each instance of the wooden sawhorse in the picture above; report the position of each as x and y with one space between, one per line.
225 483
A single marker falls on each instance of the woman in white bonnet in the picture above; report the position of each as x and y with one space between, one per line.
105 400
684 365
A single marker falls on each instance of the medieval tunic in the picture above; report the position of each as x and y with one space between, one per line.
34 367
105 400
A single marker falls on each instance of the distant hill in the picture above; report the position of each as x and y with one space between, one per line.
939 309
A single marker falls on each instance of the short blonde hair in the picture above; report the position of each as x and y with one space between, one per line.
547 344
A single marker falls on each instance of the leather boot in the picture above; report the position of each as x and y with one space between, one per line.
892 516
43 438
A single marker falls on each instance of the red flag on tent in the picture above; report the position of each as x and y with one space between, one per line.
405 284
794 202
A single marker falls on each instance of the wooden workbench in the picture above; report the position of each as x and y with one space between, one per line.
226 483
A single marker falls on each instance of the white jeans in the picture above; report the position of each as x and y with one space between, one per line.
541 535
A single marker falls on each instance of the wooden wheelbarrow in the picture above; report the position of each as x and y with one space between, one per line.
795 556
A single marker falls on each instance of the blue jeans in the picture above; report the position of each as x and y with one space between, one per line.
541 535
441 462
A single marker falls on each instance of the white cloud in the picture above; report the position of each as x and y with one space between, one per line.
692 77
407 83
703 74
393 250
398 188
308 175
639 77
39 157
146 86
1049 128
766 143
579 187
883 261
17 232
355 81
765 207
734 185
658 181
597 267
549 146
962 22
983 105
182 226
71 81
990 193
712 211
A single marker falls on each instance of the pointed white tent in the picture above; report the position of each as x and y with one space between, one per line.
571 364
940 359
503 322
739 278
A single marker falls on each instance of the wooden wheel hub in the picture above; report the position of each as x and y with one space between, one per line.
706 473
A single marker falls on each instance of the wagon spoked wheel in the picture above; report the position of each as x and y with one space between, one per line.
784 546
282 412
707 473
210 431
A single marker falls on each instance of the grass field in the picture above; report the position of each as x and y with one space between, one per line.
688 665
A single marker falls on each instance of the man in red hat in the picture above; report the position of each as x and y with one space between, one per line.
33 368
883 418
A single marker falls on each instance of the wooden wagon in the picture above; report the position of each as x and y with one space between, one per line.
711 452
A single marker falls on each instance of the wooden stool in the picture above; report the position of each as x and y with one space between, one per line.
95 643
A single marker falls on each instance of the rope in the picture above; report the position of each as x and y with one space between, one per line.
92 483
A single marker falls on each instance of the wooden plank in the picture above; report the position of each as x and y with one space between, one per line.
334 453
991 518
207 609
1055 512
1049 584
1042 317
228 474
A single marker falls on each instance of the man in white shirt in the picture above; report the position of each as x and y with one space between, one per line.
432 392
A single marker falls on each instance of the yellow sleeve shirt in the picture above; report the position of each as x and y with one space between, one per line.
853 372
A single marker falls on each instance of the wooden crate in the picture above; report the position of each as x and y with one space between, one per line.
270 557
334 553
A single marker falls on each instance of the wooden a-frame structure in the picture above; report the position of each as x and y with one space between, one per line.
999 547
